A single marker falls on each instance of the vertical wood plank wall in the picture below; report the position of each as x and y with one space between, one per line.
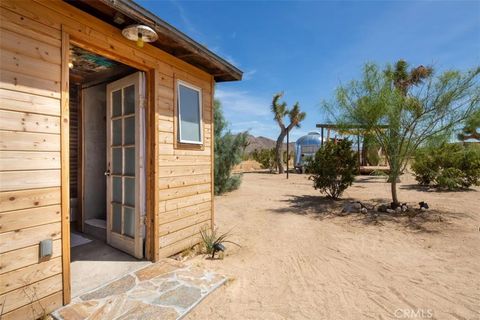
30 106
29 165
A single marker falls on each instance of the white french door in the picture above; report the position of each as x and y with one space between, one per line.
126 164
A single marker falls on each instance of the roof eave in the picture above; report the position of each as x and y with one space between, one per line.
226 71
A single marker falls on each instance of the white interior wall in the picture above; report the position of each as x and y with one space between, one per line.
94 152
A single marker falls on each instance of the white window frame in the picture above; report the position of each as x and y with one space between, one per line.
199 90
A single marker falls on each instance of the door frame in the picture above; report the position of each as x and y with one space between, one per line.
151 152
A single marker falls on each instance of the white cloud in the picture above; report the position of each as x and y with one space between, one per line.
224 55
243 102
255 126
248 75
248 112
186 21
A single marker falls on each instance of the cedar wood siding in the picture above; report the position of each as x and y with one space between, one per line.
31 147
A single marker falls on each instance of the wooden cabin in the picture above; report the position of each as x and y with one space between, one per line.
100 138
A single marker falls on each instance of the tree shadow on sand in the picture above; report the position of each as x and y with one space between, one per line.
321 208
370 179
421 188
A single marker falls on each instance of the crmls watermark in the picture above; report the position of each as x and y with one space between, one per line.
413 314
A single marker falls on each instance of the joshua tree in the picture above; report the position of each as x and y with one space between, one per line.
403 80
295 116
405 109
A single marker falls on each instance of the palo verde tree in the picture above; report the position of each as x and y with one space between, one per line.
471 130
404 108
229 149
280 112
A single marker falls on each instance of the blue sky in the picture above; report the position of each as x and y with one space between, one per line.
307 48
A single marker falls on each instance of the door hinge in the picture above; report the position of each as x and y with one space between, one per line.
143 102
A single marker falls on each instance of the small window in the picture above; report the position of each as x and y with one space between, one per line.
189 100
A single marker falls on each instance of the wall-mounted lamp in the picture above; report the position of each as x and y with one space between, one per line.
140 34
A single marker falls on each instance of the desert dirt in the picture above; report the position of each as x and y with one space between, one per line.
300 259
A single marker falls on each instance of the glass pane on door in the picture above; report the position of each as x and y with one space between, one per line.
129 189
117 132
117 218
129 161
117 103
117 189
129 131
129 100
129 222
117 162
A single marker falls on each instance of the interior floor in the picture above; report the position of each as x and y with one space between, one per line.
95 263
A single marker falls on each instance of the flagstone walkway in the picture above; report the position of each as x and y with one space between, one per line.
164 290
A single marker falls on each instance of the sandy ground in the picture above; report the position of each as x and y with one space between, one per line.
300 261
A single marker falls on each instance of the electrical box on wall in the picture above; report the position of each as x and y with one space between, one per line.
46 248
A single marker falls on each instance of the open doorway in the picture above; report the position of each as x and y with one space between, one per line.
107 169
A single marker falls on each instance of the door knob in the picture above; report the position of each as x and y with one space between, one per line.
107 173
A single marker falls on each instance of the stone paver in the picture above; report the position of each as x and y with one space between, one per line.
182 297
164 290
119 286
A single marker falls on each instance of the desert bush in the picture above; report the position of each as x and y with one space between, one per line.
333 168
211 239
229 149
450 178
448 166
290 156
266 158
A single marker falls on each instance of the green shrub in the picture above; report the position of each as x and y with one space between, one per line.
266 158
229 149
450 178
470 166
333 168
448 166
423 167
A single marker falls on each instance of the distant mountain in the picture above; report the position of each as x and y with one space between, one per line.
264 143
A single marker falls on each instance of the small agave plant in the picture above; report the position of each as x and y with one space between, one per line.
213 242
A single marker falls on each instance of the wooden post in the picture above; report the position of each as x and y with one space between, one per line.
321 144
65 168
288 142
358 150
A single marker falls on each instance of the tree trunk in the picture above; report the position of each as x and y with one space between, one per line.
279 151
393 185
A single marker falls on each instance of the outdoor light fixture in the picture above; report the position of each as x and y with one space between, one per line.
140 34
217 247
